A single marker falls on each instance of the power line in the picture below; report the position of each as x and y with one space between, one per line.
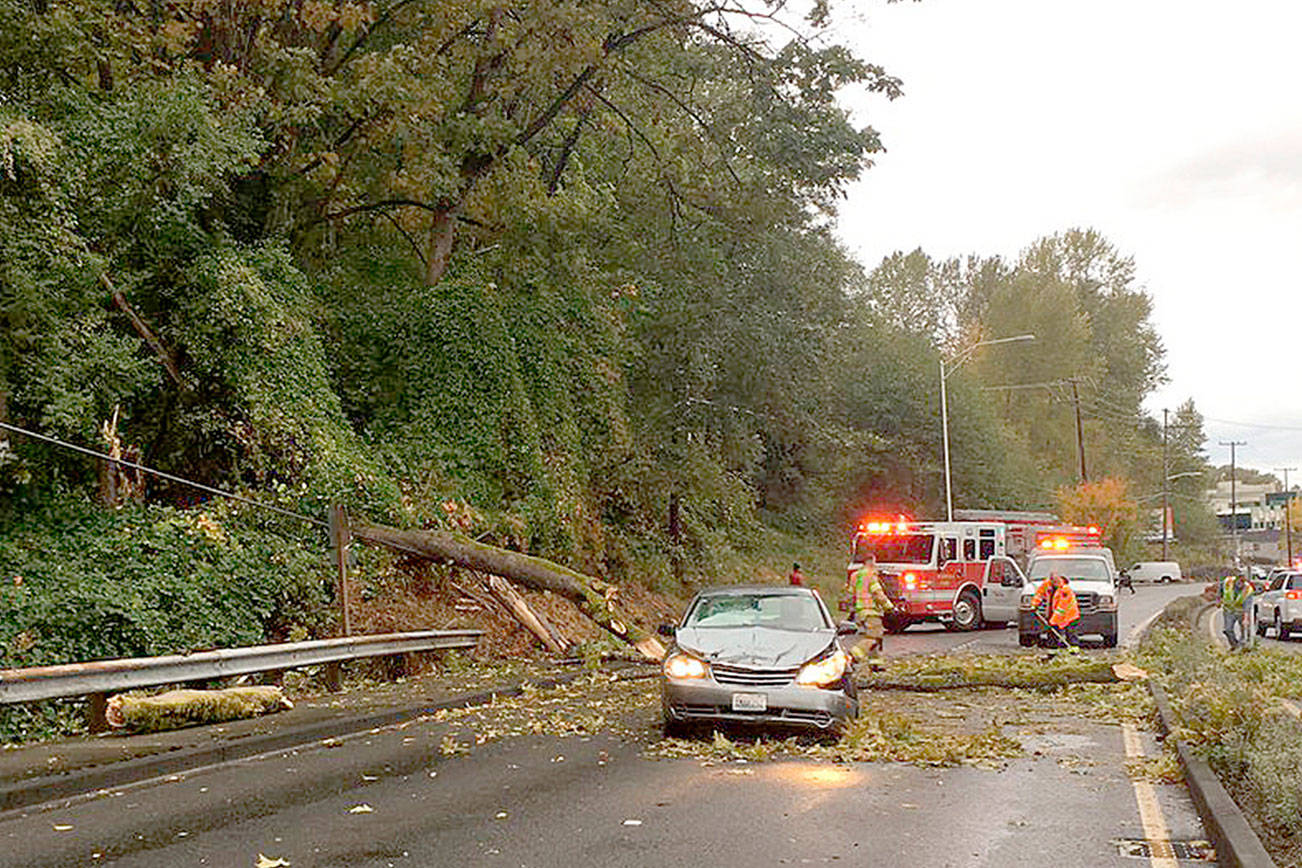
161 474
1253 424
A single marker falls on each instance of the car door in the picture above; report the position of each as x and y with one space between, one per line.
1001 590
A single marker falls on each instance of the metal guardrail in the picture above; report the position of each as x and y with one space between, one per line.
103 676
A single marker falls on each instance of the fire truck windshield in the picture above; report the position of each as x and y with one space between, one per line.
906 548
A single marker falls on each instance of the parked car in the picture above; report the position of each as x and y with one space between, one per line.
1155 571
758 655
1280 606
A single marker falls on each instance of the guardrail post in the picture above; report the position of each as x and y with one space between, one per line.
97 712
340 536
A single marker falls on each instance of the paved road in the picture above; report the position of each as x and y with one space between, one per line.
408 796
934 638
544 801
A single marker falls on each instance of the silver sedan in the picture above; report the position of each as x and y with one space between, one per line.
761 655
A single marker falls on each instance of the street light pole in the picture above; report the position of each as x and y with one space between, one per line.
1165 480
944 406
1234 502
944 428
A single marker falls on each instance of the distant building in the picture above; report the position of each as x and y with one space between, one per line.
1257 506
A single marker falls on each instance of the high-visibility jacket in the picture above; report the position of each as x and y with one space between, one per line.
1062 605
870 600
1232 600
1042 594
1065 608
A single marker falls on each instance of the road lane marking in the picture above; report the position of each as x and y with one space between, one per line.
1150 812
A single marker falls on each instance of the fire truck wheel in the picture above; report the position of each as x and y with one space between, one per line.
967 611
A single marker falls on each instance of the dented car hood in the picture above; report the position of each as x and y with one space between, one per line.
755 647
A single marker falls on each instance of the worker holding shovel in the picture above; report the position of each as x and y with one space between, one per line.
1057 598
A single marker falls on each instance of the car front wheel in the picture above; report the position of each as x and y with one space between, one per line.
967 611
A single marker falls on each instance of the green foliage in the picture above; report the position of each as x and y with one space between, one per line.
81 583
1228 710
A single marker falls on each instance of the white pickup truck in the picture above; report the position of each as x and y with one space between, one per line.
1280 605
1092 574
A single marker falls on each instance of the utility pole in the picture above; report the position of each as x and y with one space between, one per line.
1080 433
1288 513
1234 501
1166 472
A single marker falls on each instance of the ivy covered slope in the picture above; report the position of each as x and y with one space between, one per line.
568 265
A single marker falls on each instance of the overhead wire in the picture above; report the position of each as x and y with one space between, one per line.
171 477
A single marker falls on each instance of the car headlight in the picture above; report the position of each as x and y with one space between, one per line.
682 665
1106 601
825 671
1028 601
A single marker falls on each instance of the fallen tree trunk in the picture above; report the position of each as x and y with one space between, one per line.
595 598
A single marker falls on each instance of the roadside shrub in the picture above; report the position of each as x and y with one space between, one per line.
81 583
1228 710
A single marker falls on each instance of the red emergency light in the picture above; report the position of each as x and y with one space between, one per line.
883 525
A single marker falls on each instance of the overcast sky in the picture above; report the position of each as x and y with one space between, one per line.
1174 128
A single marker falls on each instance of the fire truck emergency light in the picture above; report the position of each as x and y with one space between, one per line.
886 526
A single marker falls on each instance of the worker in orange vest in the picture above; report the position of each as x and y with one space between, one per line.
1060 600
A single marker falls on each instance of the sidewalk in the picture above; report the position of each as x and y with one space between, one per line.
42 772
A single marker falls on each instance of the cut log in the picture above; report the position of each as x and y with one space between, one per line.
524 613
177 708
595 598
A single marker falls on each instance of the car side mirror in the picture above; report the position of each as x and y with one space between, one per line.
666 630
1012 581
846 628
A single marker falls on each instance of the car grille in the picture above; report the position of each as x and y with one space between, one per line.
1088 602
725 674
776 715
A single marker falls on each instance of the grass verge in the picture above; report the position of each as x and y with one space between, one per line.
1230 709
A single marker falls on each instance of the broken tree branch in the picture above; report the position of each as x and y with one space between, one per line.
143 329
523 613
595 598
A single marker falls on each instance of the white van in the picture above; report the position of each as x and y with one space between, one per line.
1155 571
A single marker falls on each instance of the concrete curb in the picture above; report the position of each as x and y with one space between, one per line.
36 791
1237 845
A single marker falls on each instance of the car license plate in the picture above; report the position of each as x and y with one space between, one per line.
750 702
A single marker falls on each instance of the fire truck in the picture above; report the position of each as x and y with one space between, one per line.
963 573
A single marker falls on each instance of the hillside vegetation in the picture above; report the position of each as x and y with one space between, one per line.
562 275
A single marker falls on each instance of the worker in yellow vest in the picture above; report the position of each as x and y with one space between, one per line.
870 605
1235 594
